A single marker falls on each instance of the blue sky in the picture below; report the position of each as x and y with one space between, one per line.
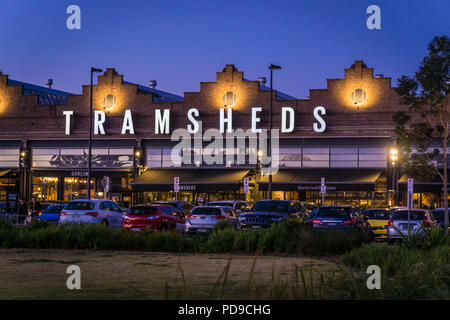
180 43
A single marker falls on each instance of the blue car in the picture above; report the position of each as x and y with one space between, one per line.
52 213
338 217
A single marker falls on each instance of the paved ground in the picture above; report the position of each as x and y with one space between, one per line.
41 274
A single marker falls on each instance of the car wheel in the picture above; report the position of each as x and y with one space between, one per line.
390 241
104 223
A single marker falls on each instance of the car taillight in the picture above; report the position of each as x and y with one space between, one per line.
191 217
350 221
91 214
219 217
63 213
390 223
426 223
317 221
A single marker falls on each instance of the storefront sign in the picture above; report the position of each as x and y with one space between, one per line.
79 173
187 187
162 120
315 188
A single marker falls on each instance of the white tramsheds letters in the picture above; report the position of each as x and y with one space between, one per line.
228 120
255 119
193 128
99 119
284 112
162 124
162 121
127 123
321 110
68 114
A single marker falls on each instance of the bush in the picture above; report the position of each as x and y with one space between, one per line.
406 273
288 237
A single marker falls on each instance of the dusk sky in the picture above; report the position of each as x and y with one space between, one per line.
180 43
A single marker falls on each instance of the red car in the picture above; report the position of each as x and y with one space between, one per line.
153 216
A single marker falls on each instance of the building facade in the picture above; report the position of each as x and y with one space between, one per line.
342 133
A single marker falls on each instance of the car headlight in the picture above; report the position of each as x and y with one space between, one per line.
241 218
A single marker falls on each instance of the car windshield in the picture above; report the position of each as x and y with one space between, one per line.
206 211
335 212
271 206
142 211
377 214
221 204
414 215
80 205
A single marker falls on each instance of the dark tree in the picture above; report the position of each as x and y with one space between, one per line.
423 132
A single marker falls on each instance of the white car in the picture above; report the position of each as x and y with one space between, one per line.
204 218
105 212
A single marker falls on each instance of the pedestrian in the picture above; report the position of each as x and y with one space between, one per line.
35 208
22 210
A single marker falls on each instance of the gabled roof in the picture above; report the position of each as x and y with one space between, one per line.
280 95
159 96
46 95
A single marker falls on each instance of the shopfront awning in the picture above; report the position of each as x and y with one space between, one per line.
335 179
4 172
434 185
196 180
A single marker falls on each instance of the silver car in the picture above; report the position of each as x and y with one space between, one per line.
204 218
105 212
398 226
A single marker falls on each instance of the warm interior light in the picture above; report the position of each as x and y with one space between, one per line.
109 102
359 96
229 99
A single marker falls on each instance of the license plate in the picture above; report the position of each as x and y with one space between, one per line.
135 229
256 227
332 224
202 230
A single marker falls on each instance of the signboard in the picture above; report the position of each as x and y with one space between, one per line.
176 184
246 185
323 186
79 173
410 192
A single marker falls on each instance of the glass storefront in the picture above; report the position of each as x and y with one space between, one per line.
76 188
45 188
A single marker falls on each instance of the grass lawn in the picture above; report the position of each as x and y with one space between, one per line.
41 274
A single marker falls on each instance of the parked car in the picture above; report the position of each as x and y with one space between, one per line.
238 205
419 219
184 206
311 216
52 213
438 214
378 219
106 212
339 217
160 217
204 218
265 212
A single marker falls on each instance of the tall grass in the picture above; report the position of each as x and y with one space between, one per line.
284 238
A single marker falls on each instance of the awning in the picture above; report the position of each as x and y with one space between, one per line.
200 180
434 185
4 172
335 179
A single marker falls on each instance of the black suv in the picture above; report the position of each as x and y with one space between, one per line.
265 212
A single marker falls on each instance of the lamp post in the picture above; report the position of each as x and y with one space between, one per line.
269 149
90 133
394 159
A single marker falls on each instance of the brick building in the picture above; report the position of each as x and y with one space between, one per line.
44 132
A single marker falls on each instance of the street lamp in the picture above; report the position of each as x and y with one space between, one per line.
269 151
90 133
394 159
